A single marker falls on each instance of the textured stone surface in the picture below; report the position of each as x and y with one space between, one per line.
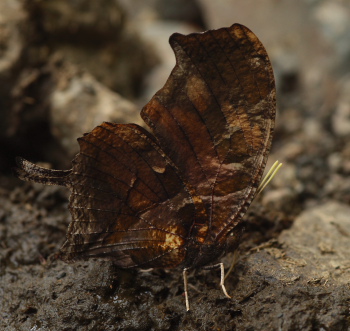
319 244
78 103
12 43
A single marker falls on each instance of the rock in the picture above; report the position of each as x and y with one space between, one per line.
333 18
94 37
78 103
305 269
12 45
335 161
338 187
284 199
58 103
284 16
341 116
12 42
141 11
103 20
319 238
156 34
180 10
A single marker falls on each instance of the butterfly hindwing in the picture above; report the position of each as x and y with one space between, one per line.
125 200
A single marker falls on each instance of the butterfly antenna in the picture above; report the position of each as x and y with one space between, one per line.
271 173
31 172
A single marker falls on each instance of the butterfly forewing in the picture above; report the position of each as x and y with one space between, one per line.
214 119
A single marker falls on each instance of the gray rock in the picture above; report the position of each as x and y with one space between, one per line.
94 36
317 246
156 34
341 116
12 42
334 24
284 199
165 10
306 268
78 103
12 46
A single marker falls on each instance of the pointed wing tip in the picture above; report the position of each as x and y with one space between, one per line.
20 161
21 170
30 172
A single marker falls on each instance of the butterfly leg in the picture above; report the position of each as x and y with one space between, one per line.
184 273
222 280
222 276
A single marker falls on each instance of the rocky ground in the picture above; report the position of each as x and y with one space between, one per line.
67 66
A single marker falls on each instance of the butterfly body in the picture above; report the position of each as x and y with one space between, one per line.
172 197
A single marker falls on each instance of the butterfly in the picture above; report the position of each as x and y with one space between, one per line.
174 196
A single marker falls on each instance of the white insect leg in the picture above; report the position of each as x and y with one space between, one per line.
184 273
222 276
222 280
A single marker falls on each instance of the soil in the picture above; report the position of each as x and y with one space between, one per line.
293 267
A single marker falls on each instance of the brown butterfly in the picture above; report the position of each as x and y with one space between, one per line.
172 197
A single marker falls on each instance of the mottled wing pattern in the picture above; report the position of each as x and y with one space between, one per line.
127 202
214 119
143 199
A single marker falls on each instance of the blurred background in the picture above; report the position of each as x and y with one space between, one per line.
67 66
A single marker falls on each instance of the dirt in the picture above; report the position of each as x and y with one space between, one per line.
293 270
